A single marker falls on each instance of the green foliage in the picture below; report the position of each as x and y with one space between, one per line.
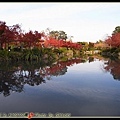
58 51
36 54
58 35
29 55
65 58
117 50
14 55
117 30
91 48
111 50
36 51
4 55
63 49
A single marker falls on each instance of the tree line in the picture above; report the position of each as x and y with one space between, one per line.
13 36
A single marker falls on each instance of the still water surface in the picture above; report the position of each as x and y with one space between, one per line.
88 87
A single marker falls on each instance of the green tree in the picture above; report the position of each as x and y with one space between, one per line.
62 35
58 35
117 30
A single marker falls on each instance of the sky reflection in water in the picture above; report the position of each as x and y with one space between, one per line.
81 89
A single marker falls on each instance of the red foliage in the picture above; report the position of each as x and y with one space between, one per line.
13 35
114 40
61 43
31 38
8 34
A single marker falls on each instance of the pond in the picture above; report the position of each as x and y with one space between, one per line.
80 87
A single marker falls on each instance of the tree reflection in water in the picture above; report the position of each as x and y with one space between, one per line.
113 66
13 76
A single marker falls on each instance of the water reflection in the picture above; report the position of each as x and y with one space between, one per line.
113 66
13 76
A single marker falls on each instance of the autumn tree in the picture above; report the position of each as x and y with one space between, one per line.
30 39
17 34
114 40
8 34
3 26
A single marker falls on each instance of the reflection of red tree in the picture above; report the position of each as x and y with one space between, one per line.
58 67
114 68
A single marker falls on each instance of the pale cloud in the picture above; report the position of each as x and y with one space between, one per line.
84 21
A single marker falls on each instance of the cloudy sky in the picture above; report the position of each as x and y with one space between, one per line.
85 21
